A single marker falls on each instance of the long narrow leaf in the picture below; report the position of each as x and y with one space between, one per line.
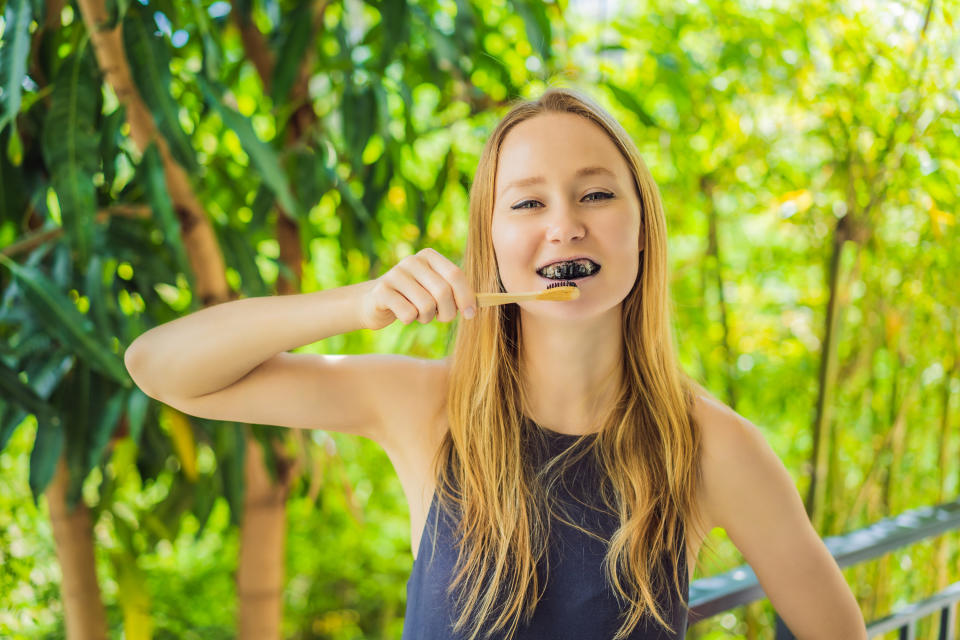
93 285
17 393
156 186
70 148
14 51
261 154
43 459
299 30
106 418
62 318
150 66
137 406
76 398
43 380
537 22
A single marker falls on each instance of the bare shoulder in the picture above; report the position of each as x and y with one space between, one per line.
745 483
731 445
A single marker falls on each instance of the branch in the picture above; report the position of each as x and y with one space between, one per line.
33 240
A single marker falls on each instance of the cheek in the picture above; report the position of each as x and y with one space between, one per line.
509 242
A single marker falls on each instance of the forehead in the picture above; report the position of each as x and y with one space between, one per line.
555 145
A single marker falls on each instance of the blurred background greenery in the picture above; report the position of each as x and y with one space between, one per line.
160 156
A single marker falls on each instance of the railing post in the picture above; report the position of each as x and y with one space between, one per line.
909 631
948 620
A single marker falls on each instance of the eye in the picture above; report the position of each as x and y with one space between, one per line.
607 196
600 193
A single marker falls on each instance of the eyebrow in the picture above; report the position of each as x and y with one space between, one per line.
583 171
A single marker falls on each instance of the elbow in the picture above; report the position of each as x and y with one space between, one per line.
133 360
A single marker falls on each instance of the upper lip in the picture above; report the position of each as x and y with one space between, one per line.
567 258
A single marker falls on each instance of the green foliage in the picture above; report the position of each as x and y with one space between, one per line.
149 64
13 61
70 145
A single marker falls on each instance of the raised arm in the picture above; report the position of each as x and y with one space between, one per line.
230 361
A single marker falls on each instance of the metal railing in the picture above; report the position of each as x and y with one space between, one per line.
720 593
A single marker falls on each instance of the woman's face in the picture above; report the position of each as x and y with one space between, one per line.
562 190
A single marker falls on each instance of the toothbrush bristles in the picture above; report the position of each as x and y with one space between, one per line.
565 283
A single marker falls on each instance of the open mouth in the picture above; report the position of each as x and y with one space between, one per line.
572 270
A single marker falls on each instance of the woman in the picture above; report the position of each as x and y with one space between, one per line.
567 468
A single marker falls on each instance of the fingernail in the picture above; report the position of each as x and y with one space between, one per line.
468 312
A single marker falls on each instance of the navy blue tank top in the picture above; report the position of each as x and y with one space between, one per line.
577 602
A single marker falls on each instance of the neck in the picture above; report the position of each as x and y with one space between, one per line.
571 369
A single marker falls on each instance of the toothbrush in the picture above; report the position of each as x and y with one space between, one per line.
565 290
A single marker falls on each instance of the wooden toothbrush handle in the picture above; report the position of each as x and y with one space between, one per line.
493 299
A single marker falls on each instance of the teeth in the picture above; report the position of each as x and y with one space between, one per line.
569 269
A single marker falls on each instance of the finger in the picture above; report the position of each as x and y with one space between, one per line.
437 285
463 293
406 283
402 308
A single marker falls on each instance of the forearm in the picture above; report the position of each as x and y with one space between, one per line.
214 347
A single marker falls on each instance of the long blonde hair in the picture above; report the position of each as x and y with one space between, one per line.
648 445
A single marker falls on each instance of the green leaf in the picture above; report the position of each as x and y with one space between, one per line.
240 253
150 67
137 404
262 204
93 285
106 417
231 445
298 35
211 50
21 394
204 497
76 397
14 51
156 186
261 154
110 143
44 376
395 18
43 459
13 196
537 22
62 318
18 394
70 148
358 113
630 102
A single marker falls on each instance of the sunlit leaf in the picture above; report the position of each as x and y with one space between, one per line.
70 146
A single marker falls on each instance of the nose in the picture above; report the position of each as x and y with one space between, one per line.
565 225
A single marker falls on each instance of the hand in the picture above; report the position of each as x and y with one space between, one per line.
419 287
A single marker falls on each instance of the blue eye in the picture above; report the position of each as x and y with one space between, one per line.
520 205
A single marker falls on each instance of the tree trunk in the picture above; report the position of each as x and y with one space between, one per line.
713 251
260 571
827 379
83 611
